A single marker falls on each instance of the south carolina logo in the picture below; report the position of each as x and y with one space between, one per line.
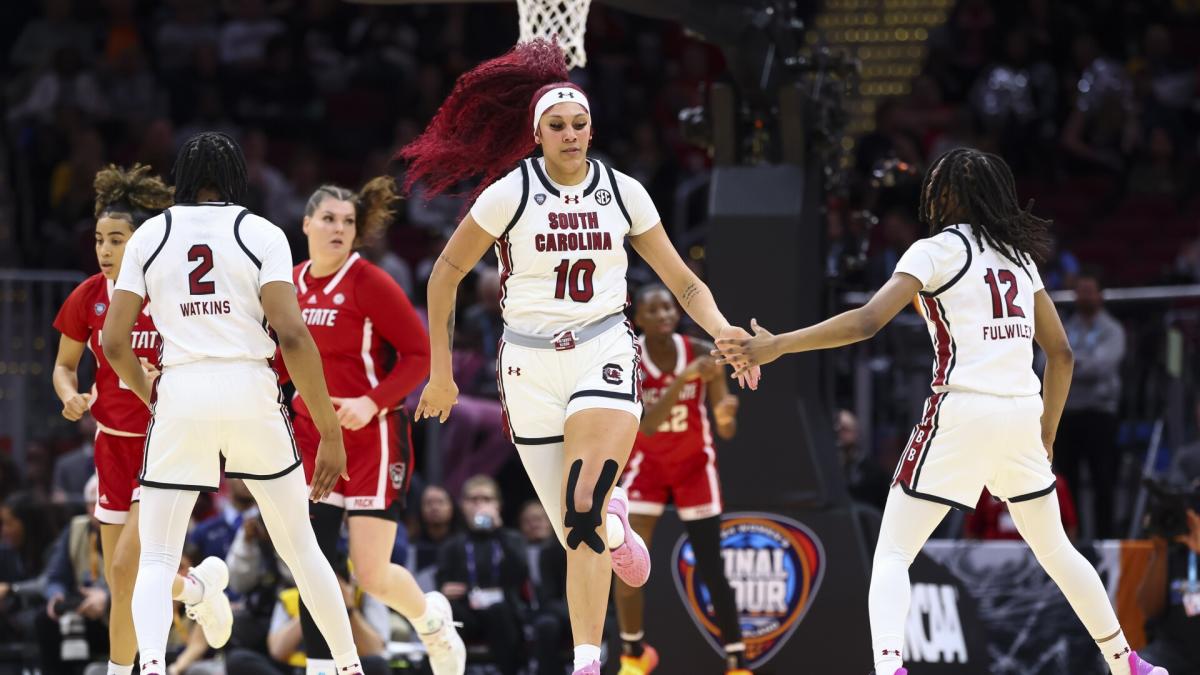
774 565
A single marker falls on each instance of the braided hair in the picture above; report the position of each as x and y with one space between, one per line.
210 160
133 195
967 185
374 205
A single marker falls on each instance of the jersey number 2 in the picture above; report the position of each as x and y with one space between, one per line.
575 280
994 278
196 283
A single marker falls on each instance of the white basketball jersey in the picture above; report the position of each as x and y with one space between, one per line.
978 305
204 265
561 249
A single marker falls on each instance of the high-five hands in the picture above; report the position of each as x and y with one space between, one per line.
747 354
747 374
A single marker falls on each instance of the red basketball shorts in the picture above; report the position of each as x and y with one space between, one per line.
378 459
118 462
687 479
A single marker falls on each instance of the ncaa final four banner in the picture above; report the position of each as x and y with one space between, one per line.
775 566
977 607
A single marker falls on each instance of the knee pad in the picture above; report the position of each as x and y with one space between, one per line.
581 527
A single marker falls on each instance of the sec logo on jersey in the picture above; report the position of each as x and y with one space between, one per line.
603 197
775 566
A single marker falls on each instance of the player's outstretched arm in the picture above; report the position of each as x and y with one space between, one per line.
1048 332
304 364
117 341
692 293
466 246
846 328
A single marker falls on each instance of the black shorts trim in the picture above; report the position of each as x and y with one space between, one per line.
600 393
1030 496
255 476
934 498
393 513
175 486
540 440
967 266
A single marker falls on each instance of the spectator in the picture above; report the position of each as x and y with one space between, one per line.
67 83
243 40
27 536
1060 269
437 522
44 36
74 468
73 629
867 482
1088 431
1172 627
214 536
1185 466
483 572
253 564
992 521
369 622
191 26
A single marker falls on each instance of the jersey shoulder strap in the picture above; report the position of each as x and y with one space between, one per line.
612 180
237 235
966 265
524 197
166 235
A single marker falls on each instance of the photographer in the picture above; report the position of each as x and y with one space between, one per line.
484 573
1170 592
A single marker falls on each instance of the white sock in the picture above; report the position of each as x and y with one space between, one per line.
320 667
616 532
586 655
154 661
193 591
429 622
1116 653
118 669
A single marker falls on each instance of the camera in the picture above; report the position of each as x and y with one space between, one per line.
484 522
1167 507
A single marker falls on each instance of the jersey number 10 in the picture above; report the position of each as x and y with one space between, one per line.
575 280
1010 297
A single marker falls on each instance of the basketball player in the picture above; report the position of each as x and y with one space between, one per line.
985 424
673 458
568 361
359 318
124 200
218 275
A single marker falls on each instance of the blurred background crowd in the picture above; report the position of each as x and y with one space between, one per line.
1095 103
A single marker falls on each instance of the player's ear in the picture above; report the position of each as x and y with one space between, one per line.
304 225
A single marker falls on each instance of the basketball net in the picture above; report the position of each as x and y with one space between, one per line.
566 19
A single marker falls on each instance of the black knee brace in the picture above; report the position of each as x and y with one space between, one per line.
581 527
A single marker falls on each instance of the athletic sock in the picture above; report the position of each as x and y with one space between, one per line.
118 669
348 664
887 661
429 622
615 532
633 644
193 591
1116 653
735 655
586 655
154 661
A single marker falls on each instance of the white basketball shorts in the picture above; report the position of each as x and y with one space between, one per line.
211 409
966 441
541 387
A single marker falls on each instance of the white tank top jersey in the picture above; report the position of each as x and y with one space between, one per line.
561 248
204 266
979 309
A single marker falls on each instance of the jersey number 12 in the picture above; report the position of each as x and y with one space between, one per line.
1010 297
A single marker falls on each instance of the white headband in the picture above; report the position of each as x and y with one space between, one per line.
554 97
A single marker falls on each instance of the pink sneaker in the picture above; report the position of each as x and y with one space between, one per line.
1139 667
593 669
630 560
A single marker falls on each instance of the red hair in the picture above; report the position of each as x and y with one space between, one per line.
483 127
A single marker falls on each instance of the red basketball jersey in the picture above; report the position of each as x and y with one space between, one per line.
361 321
686 429
81 318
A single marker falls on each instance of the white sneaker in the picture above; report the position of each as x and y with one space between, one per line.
447 653
212 612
